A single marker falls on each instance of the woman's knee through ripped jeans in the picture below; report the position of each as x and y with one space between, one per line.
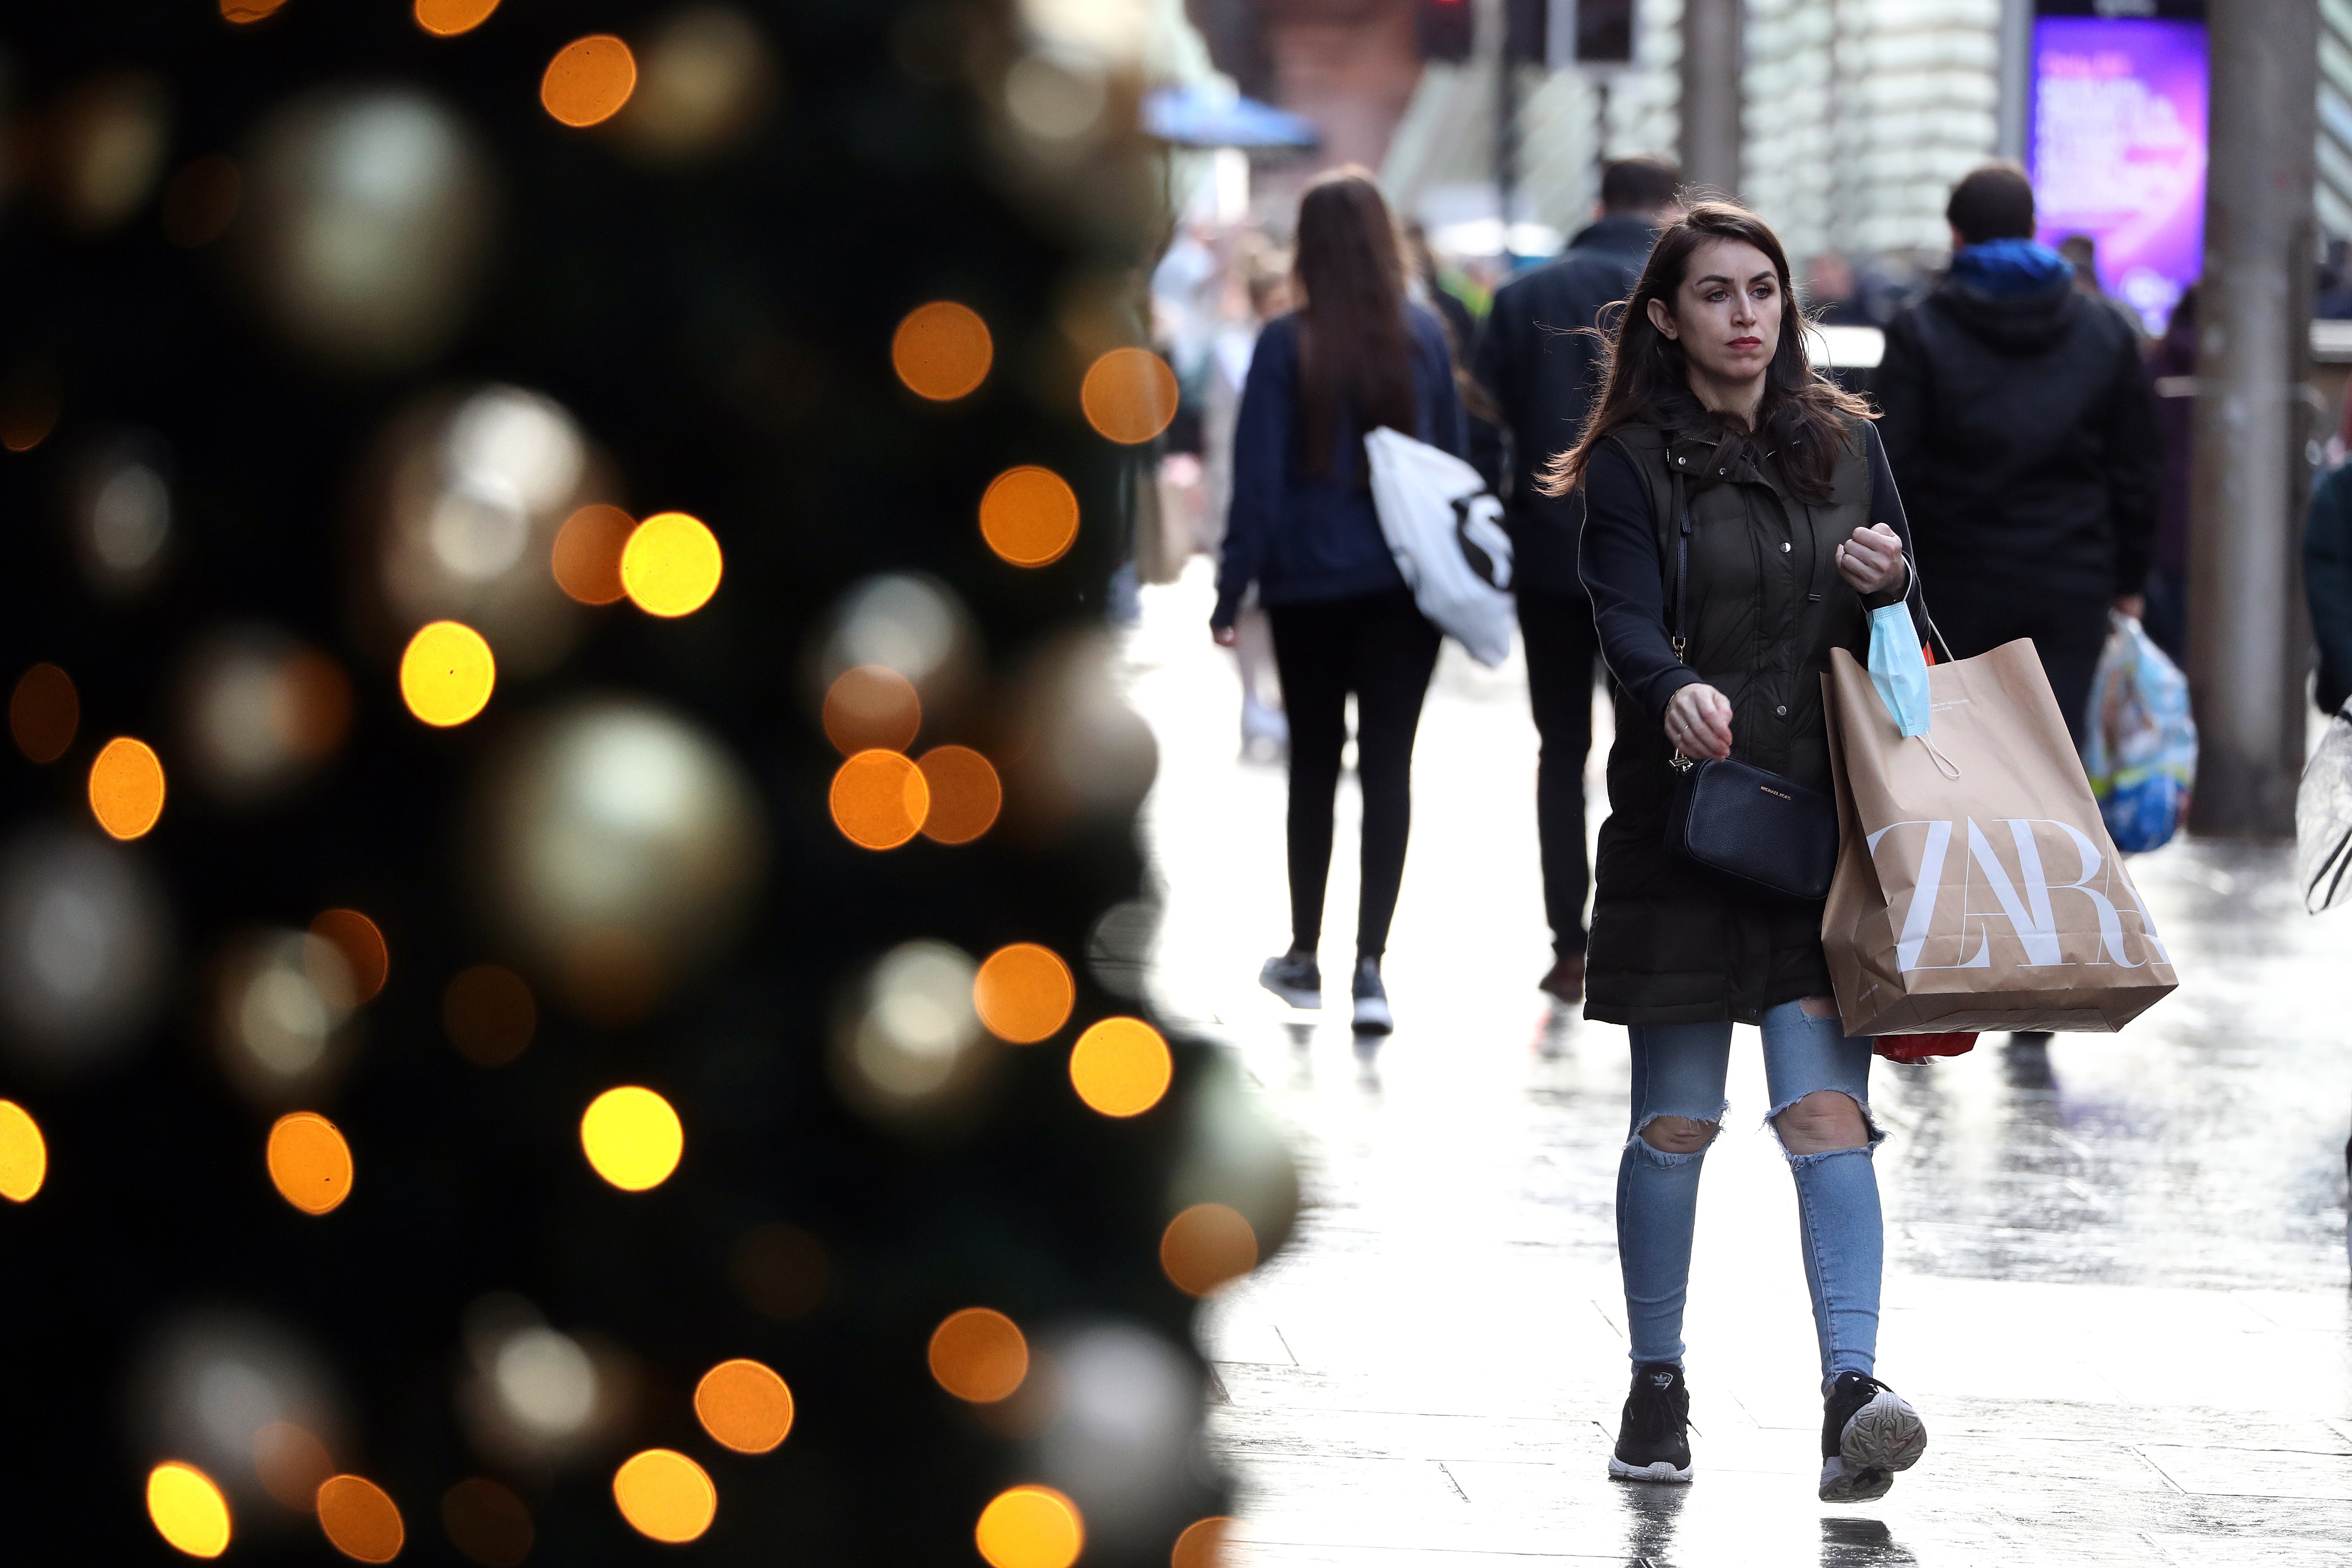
1819 1084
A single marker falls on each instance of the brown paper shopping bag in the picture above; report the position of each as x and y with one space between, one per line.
1993 899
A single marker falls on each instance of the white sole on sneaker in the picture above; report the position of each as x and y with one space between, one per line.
1372 1016
1885 1434
1843 1482
1304 1001
1656 1470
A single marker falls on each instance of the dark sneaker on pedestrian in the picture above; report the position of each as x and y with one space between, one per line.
1868 1433
1372 999
1653 1435
1294 977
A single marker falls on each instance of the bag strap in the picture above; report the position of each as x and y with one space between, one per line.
1677 633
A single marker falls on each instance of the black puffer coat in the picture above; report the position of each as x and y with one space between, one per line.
1671 944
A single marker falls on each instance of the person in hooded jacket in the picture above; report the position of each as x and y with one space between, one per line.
2019 424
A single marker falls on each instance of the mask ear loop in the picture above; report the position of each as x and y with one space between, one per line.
1944 764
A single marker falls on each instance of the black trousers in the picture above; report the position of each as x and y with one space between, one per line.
1563 648
2068 631
1381 648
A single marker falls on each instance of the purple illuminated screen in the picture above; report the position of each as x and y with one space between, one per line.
2117 149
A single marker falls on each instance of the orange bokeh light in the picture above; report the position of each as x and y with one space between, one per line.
360 1518
126 787
1029 1527
872 707
44 711
1024 993
490 1014
1206 1245
966 794
447 19
1029 516
879 799
979 1355
1202 1544
589 80
241 13
942 351
1121 1066
744 1404
586 559
362 944
1128 395
664 1495
309 1162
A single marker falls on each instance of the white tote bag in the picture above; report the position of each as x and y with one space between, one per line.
1446 532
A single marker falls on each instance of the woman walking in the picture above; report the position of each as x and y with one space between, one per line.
1356 355
1795 534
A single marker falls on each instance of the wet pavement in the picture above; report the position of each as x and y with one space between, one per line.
2116 1267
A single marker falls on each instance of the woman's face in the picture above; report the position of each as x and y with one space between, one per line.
1727 314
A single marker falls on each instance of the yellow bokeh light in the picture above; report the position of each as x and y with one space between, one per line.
942 351
1129 395
361 941
589 80
744 1404
979 1355
879 799
633 1138
310 1163
188 1509
447 19
1206 1245
1029 516
671 566
1024 993
1202 1544
24 1154
1029 1527
586 557
966 794
44 711
126 787
447 673
360 1518
1121 1066
664 1495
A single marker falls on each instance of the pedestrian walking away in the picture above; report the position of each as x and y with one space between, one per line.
1355 356
1538 360
1719 459
2019 419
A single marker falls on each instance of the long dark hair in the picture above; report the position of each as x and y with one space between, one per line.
1803 416
1353 357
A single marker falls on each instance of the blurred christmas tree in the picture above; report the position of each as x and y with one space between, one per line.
568 902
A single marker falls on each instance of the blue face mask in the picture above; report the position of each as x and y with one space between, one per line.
1898 668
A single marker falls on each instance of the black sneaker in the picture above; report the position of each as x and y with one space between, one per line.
1868 1433
1295 978
1372 999
1653 1435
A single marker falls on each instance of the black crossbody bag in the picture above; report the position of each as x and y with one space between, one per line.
1753 828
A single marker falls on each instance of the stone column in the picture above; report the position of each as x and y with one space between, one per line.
1711 93
2249 637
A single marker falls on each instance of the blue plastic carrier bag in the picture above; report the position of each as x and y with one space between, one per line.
2139 746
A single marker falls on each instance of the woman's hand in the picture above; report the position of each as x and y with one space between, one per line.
1227 636
1872 560
1698 722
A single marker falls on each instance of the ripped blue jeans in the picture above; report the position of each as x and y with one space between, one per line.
1678 1070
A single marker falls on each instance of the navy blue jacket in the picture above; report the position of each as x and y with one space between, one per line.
1543 373
1304 538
